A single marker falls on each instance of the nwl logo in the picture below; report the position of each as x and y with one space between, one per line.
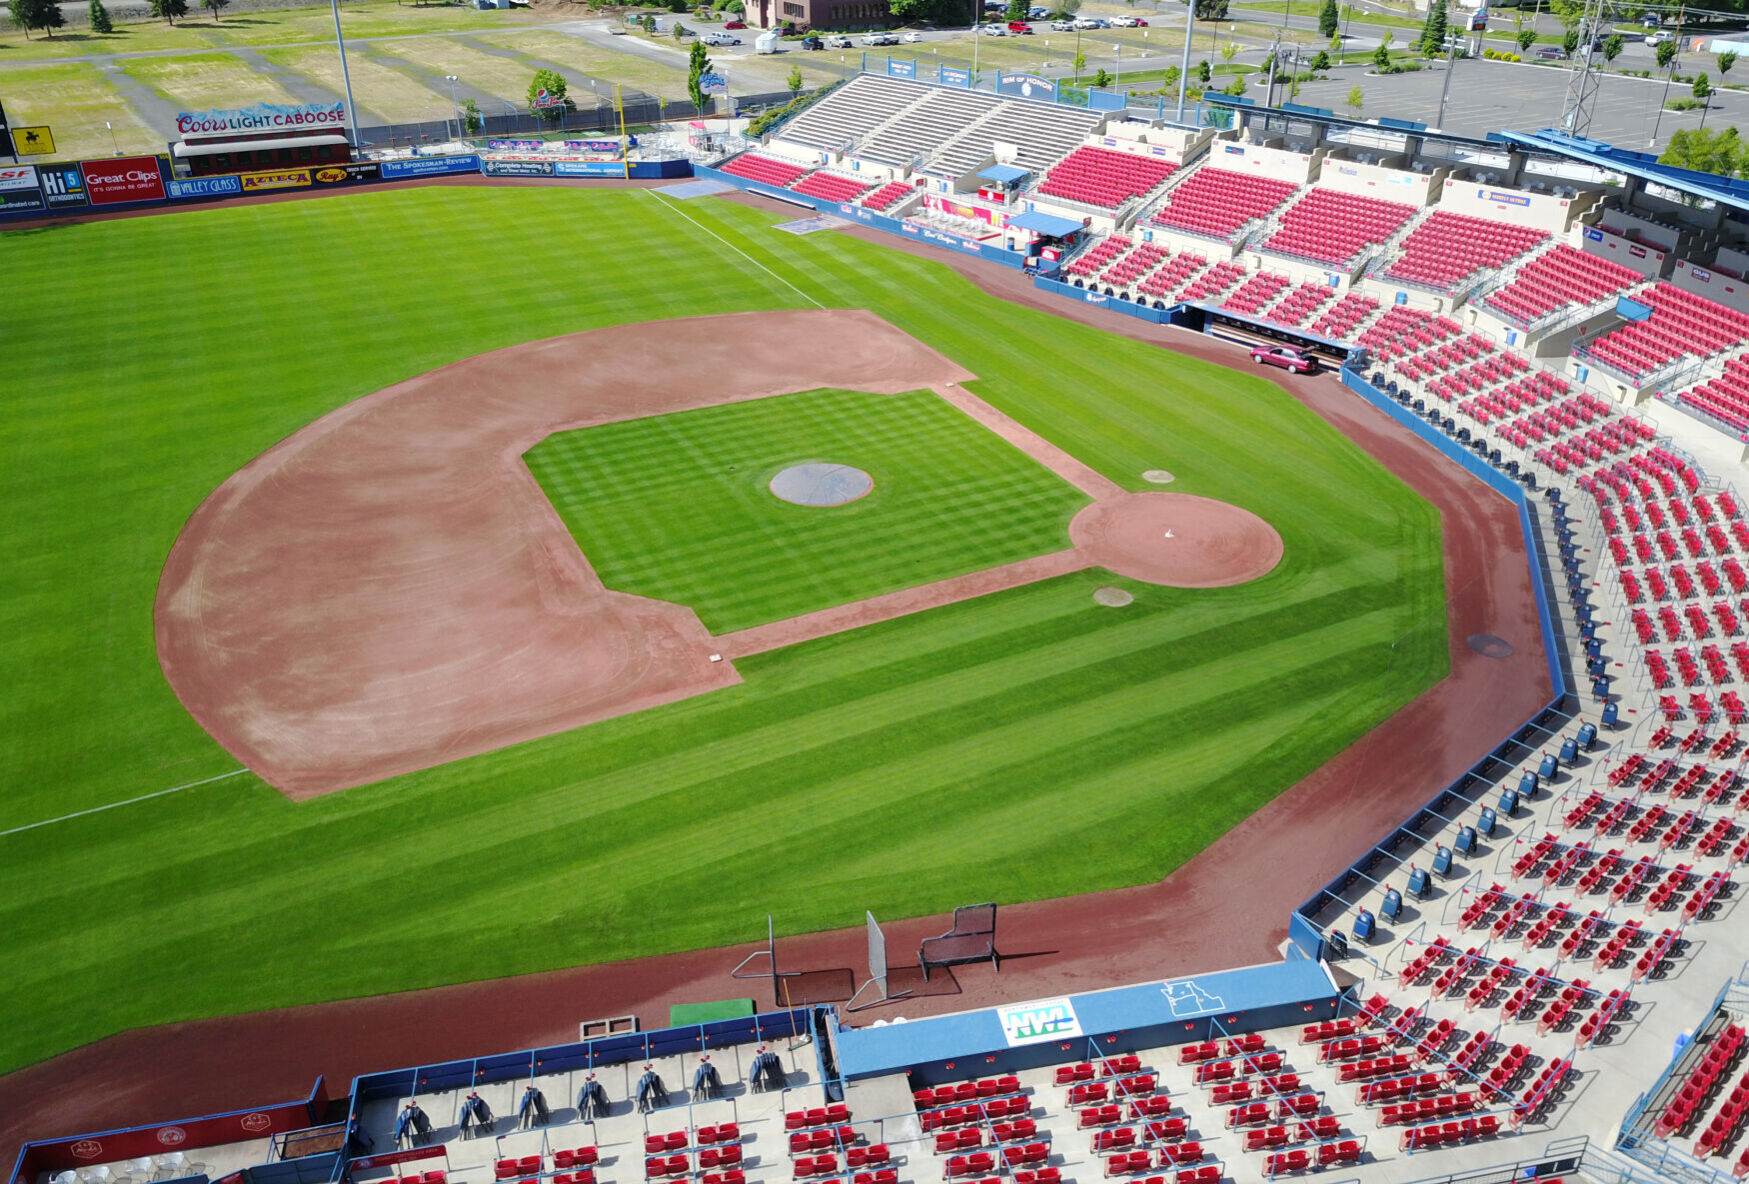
1045 1019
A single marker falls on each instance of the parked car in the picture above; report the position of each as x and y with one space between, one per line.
880 39
993 30
734 24
1037 13
1020 27
839 41
1285 356
1062 26
1550 53
617 30
1660 37
813 43
716 38
913 36
1123 22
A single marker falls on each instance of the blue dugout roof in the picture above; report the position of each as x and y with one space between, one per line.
1046 224
1004 173
1644 165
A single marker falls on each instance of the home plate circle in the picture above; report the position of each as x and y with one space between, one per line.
819 483
1177 539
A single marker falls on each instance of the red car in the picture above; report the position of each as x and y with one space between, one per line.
734 24
1019 27
1286 357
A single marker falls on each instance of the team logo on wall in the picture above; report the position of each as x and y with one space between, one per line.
256 1121
1040 1020
170 1136
87 1149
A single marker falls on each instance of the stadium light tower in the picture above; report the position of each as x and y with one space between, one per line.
1582 86
346 79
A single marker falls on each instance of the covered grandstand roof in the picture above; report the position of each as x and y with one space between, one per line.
1644 165
1047 224
1004 173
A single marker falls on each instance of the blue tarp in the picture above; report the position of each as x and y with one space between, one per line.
1004 173
1046 224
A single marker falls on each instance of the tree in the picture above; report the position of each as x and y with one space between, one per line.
1665 52
1612 47
1329 20
1703 88
1321 61
1570 41
1235 87
1080 64
1171 76
1707 152
698 64
916 11
1101 78
170 9
1525 38
1568 12
100 22
215 7
794 81
1017 10
36 14
1228 51
648 23
552 105
473 123
1726 61
1356 100
1204 72
1433 29
678 31
1381 57
1211 10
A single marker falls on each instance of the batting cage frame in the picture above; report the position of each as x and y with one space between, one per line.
971 939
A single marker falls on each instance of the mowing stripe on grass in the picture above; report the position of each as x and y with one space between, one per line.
676 209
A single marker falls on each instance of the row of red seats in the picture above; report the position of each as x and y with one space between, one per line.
1555 279
831 1115
780 173
832 187
1218 202
1103 177
1450 247
887 195
1340 322
992 1110
1444 1134
1332 226
964 1091
1297 307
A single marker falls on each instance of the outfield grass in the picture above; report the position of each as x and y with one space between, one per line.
678 508
1022 745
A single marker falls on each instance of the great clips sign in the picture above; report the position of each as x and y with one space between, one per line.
263 117
123 179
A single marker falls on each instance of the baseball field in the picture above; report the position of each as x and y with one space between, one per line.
1027 744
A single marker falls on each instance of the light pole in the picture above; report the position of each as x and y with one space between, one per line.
113 146
455 106
1184 64
346 78
1120 64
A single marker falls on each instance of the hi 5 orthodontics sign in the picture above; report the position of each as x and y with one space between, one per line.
1038 1021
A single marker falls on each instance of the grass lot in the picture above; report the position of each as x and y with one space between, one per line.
508 78
381 90
591 61
75 100
677 507
910 761
358 18
201 80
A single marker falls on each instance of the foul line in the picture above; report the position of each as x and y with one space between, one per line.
734 248
100 809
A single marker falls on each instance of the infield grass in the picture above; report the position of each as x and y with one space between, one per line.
678 507
1021 745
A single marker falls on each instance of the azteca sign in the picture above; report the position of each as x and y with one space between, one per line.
262 117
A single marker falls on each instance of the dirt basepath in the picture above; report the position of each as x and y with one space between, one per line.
389 588
1201 917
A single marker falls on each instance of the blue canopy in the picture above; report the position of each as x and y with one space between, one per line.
1046 224
1005 173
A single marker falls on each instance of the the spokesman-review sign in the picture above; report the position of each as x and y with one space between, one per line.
1038 1021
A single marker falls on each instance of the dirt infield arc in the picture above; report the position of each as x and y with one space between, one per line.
389 588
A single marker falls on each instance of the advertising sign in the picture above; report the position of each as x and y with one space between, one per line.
518 168
18 189
280 179
594 145
543 99
33 141
1038 1021
516 145
123 179
430 166
901 68
334 174
63 185
263 117
589 168
205 187
955 76
713 84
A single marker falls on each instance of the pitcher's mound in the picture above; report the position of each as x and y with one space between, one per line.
1177 539
821 484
